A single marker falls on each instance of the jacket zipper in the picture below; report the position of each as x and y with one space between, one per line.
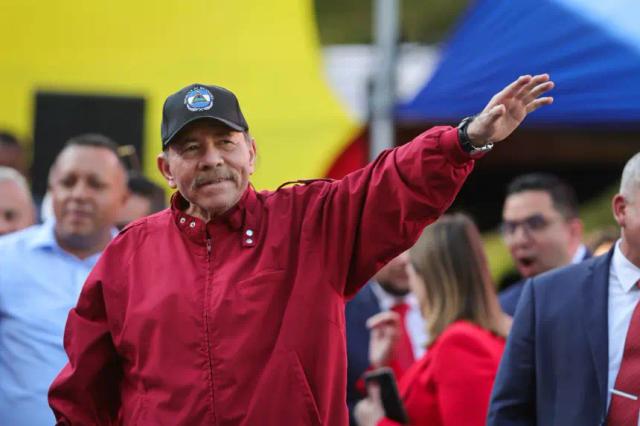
206 326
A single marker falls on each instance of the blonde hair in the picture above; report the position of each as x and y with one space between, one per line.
451 261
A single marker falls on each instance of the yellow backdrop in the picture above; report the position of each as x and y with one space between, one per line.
265 51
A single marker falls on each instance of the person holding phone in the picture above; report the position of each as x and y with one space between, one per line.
451 383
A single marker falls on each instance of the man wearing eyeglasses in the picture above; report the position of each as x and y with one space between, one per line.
541 228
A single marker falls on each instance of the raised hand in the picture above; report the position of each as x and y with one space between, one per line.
506 110
385 330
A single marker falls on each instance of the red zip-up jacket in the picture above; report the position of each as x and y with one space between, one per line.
240 321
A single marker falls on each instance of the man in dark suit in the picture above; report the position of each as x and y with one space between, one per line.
387 291
573 356
541 228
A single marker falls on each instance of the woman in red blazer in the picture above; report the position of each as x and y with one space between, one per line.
451 384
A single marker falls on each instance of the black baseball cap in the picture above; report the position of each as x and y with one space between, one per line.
198 101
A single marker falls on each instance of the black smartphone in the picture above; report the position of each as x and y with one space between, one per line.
391 401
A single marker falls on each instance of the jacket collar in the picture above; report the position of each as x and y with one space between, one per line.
241 217
595 300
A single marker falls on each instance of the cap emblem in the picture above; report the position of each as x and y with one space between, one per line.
198 99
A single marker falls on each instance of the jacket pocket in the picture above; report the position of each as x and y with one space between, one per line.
283 395
305 389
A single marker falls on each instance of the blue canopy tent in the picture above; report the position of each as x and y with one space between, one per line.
591 48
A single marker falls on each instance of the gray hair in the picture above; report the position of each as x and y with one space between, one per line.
630 178
12 175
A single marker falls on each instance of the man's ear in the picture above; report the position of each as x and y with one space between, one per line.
619 208
576 228
165 169
253 152
124 198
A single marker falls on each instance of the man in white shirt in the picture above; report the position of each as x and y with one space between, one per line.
573 353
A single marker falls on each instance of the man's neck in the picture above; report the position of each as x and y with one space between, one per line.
83 247
199 213
630 253
207 215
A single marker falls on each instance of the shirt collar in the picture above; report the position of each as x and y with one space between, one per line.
45 236
628 274
578 256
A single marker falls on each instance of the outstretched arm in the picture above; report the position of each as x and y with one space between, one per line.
381 209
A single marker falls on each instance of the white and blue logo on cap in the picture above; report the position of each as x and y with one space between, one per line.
198 99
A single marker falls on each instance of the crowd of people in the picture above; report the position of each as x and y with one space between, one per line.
43 266
239 307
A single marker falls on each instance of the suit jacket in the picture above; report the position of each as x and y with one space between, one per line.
555 365
363 306
510 296
451 384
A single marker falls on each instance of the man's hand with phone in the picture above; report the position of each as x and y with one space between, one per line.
370 411
383 399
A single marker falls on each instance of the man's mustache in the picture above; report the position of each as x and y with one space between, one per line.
210 177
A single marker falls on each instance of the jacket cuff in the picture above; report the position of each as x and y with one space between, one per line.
452 149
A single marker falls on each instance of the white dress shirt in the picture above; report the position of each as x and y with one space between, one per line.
623 298
416 326
579 255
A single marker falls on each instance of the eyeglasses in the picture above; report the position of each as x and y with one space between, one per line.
530 225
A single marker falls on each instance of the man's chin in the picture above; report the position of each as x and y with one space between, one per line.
528 271
217 188
220 202
396 290
75 231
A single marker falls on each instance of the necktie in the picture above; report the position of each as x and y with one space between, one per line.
403 356
624 409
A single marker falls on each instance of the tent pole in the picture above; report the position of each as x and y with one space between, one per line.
386 23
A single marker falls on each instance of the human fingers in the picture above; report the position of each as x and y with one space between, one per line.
513 88
535 81
538 90
383 318
537 103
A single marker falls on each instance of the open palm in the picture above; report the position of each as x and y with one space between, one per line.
508 108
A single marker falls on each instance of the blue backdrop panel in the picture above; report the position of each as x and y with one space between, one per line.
591 49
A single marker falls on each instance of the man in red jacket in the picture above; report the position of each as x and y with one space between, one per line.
228 307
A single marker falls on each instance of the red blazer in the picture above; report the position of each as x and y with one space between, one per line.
451 384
